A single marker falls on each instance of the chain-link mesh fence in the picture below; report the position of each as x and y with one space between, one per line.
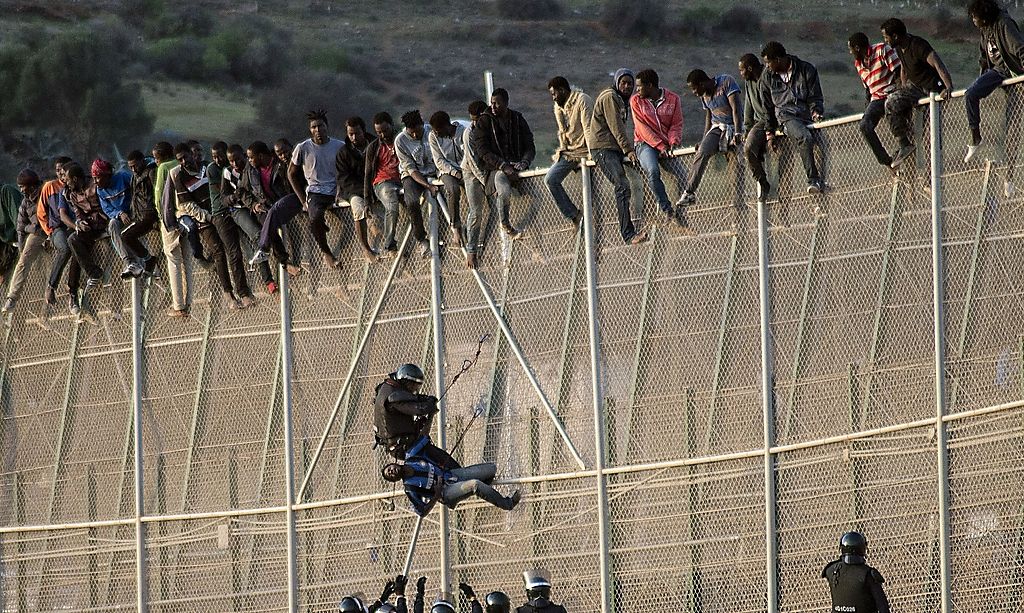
851 376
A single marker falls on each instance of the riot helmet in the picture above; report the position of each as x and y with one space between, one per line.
442 606
538 583
853 547
409 372
352 604
497 602
387 607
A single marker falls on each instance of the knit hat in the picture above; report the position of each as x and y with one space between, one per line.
621 72
101 167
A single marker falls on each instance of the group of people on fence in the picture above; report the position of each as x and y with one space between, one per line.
209 213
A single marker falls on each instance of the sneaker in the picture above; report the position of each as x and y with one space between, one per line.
471 261
271 288
92 282
972 148
246 302
683 222
971 151
514 233
639 237
686 198
815 187
901 156
50 296
73 305
132 270
258 257
763 188
1009 189
8 305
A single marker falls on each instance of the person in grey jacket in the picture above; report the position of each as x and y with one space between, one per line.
417 169
1002 57
611 143
474 176
446 145
792 96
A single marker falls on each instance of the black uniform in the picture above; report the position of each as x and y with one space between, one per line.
541 605
401 417
855 587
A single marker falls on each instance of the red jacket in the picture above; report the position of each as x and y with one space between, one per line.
661 127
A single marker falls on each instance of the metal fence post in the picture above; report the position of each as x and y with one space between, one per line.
771 543
141 574
938 294
598 393
442 438
286 407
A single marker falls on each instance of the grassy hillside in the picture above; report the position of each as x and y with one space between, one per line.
431 55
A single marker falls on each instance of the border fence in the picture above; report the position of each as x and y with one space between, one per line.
694 421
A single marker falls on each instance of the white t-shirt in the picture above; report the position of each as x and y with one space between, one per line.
318 164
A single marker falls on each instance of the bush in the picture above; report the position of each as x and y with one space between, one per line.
177 58
739 20
640 19
534 10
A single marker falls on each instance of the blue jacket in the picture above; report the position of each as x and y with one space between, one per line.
424 488
116 198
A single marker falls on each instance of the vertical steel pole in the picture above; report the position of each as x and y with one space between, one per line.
141 574
488 85
442 438
598 394
940 355
771 545
289 469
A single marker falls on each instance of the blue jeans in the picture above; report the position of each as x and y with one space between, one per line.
609 162
554 178
988 82
651 163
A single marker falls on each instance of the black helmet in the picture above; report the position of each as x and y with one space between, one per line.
853 543
387 607
409 372
442 606
351 604
497 602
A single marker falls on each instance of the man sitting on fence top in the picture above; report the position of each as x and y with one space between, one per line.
402 416
792 95
921 72
720 98
657 130
755 118
879 70
572 109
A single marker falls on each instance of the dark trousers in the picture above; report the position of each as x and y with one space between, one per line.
709 148
803 137
283 211
413 194
250 225
873 114
453 196
983 86
228 233
609 162
61 256
206 245
142 225
754 148
318 205
81 244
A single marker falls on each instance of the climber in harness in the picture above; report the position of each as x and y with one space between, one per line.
402 417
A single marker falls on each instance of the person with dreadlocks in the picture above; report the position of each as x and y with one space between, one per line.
313 177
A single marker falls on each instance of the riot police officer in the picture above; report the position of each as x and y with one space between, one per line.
538 593
402 416
855 586
495 602
352 604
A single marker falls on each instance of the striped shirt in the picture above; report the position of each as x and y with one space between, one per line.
879 73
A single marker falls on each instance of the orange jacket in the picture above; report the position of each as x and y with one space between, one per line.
660 127
47 205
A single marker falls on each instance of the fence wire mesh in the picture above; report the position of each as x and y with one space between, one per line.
850 323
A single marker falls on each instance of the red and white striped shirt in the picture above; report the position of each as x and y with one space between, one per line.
879 73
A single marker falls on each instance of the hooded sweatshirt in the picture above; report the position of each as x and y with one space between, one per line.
607 126
659 123
572 120
1002 46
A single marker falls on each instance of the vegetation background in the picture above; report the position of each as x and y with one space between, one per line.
101 77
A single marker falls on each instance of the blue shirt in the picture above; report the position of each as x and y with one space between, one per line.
116 197
718 102
423 488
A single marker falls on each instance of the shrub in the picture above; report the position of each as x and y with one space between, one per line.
739 20
639 19
534 10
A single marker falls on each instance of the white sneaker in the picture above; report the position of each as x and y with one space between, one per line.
259 257
1009 189
971 151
